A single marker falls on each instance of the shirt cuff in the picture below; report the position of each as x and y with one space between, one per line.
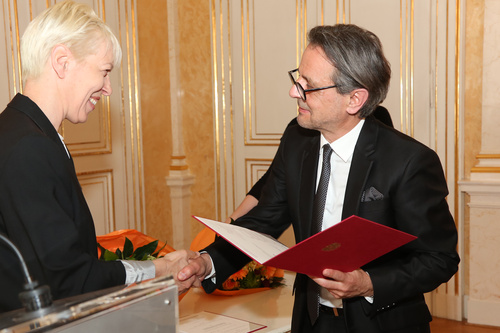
137 271
369 299
210 276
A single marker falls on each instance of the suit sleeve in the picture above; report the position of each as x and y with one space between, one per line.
46 215
270 216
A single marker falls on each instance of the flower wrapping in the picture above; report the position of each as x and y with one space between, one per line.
116 241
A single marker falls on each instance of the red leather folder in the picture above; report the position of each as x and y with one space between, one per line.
346 246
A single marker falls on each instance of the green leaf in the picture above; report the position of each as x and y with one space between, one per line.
109 256
119 254
155 255
102 251
128 248
250 281
145 250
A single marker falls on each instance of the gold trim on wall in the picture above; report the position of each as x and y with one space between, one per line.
138 126
106 173
406 66
104 144
488 156
99 147
250 165
18 40
130 104
215 84
458 42
220 107
486 169
179 167
248 67
134 129
252 136
457 121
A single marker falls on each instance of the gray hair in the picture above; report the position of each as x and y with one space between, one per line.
71 24
358 59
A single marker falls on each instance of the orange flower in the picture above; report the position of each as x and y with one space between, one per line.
254 275
239 274
230 285
267 272
279 273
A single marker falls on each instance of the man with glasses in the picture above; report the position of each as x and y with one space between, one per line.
377 173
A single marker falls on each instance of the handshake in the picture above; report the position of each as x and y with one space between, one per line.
188 268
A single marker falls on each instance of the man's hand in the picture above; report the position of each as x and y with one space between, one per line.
197 269
346 285
172 263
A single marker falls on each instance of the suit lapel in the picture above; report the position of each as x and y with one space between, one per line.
28 107
360 168
308 176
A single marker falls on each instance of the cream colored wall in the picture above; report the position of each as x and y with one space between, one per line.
196 79
155 107
473 105
196 103
482 187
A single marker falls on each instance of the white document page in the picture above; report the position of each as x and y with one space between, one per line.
206 322
258 246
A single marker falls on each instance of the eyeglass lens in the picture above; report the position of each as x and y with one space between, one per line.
297 85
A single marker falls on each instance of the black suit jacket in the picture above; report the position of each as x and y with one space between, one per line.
43 211
409 176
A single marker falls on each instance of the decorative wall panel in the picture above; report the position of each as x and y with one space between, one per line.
98 190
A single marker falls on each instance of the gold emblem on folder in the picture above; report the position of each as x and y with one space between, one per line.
331 247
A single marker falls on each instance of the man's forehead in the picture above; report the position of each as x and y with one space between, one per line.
315 65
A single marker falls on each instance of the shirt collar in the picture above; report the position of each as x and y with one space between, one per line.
65 148
344 146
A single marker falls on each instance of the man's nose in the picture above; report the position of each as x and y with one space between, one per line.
293 92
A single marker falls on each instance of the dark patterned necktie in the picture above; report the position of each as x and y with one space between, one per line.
317 221
320 197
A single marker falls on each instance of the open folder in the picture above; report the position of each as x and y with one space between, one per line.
346 246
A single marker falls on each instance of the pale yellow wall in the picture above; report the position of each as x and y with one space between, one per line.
155 107
198 133
474 19
473 81
197 104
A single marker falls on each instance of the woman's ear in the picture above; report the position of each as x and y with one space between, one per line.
59 58
357 99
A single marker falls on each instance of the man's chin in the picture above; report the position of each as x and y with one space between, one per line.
304 120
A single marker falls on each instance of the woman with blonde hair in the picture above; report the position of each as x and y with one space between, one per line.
67 54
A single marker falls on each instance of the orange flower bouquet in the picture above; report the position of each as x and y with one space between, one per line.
252 278
130 244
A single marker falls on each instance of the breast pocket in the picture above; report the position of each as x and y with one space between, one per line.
377 211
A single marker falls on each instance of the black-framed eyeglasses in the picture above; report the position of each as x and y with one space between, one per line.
300 89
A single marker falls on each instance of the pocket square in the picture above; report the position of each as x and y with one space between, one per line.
371 194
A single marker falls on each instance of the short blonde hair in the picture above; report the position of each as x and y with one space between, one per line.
71 24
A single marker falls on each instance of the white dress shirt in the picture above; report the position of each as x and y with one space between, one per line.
343 149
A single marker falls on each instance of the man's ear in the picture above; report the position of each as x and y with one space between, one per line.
59 58
357 99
